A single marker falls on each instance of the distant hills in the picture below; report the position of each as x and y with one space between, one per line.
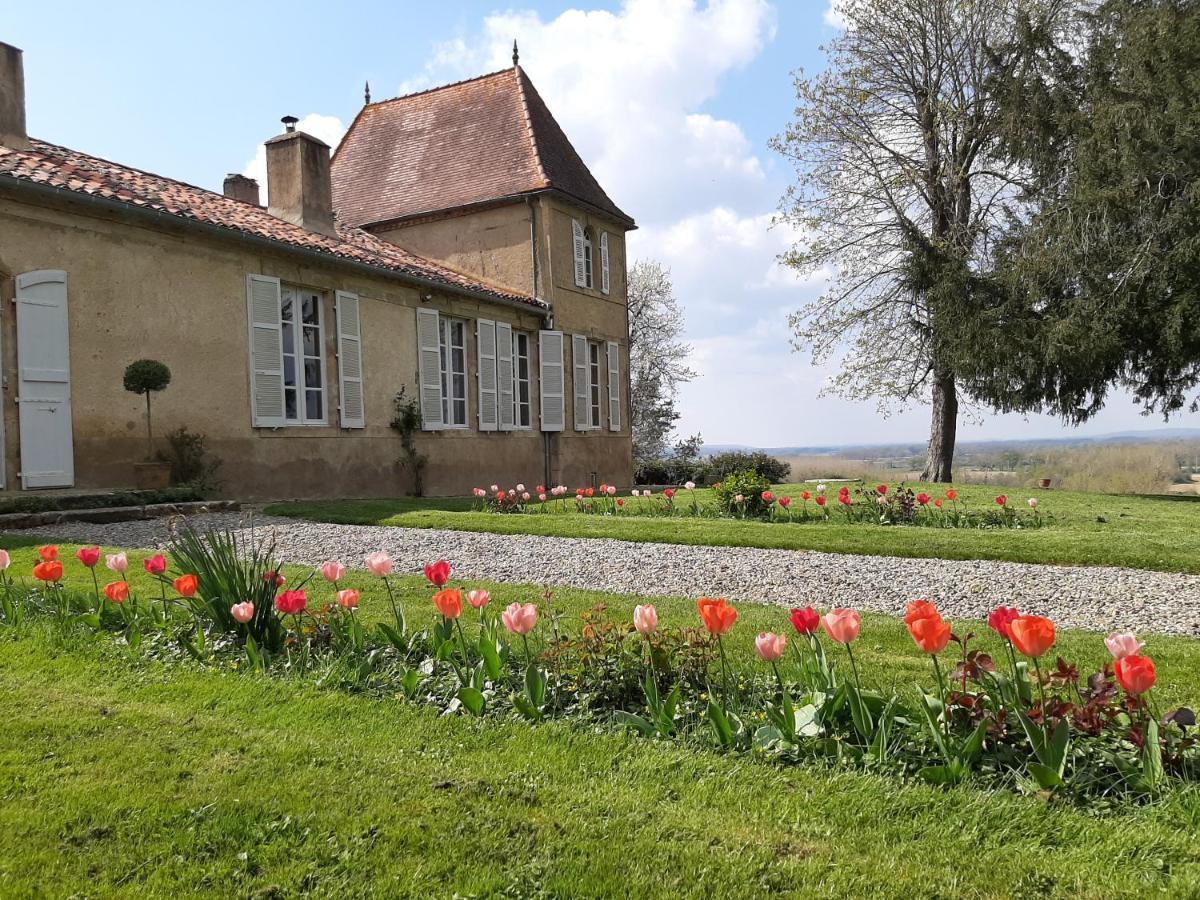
918 447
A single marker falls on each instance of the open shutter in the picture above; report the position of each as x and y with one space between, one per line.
614 386
580 264
604 261
266 351
581 382
429 364
552 380
349 357
485 342
504 375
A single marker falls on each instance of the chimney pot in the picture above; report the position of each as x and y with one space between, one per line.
289 123
12 99
239 187
299 188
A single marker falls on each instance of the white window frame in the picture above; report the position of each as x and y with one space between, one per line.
604 278
445 347
518 381
297 295
588 263
595 399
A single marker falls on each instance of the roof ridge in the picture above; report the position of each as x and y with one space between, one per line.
533 141
439 87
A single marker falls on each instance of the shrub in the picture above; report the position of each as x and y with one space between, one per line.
747 484
669 471
187 453
721 466
406 422
147 376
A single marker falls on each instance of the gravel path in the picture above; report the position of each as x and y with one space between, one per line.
1099 598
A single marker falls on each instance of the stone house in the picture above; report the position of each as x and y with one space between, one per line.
454 246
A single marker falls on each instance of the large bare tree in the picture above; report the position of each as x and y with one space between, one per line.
900 192
657 358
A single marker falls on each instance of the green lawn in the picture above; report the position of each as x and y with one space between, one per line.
124 776
1161 532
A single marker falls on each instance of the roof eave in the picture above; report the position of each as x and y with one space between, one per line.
21 185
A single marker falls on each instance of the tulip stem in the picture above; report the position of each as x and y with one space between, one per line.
1041 690
724 676
937 671
392 599
462 638
854 668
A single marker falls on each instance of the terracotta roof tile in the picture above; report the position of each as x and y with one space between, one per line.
60 167
484 139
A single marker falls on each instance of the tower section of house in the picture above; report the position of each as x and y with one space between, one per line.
480 177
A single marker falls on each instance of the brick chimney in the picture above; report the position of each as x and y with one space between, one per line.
239 187
12 99
299 189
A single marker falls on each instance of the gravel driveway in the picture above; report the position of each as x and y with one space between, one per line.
1093 597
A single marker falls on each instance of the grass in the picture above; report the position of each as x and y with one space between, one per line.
1142 532
122 776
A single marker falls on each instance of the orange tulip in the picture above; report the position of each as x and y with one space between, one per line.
717 615
186 585
931 633
1031 635
49 570
920 609
117 591
48 553
449 602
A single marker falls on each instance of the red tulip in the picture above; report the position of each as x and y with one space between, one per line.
931 633
156 564
1135 674
438 573
821 500
767 496
785 502
923 498
1032 635
1002 500
589 492
805 495
844 499
881 489
669 493
920 609
291 603
89 556
273 577
718 616
48 553
1000 618
806 621
952 494
938 502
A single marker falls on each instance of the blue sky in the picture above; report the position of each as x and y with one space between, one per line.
671 102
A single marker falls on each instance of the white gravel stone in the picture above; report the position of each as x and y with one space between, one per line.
1091 597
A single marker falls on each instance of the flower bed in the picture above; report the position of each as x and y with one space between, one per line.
746 495
1027 720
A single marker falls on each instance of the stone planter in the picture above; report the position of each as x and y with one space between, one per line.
1043 482
152 476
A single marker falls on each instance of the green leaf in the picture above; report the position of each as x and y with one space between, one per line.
720 723
410 681
535 685
490 656
973 745
806 721
929 717
637 723
650 686
256 661
472 699
1046 777
133 636
668 708
1056 747
393 637
859 714
192 650
445 650
527 709
767 737
1152 765
941 774
91 620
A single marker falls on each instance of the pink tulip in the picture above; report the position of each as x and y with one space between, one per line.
156 564
518 618
118 562
5 560
332 571
645 619
770 646
842 625
379 563
611 491
689 485
525 496
1122 644
348 598
478 599
242 612
520 488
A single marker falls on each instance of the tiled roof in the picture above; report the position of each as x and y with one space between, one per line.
70 170
484 139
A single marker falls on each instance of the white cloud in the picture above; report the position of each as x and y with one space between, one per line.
834 15
328 128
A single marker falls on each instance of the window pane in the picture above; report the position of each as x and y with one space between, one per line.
312 404
289 337
290 410
312 373
460 385
289 371
460 412
312 341
311 309
286 310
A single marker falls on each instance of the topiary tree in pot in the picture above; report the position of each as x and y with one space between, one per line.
148 376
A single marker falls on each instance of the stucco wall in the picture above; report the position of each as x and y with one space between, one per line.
172 294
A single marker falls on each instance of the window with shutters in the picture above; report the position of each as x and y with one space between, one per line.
303 340
587 257
522 407
454 372
594 383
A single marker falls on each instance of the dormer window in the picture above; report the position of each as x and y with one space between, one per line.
584 256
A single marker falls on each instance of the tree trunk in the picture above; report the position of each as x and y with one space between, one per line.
942 429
